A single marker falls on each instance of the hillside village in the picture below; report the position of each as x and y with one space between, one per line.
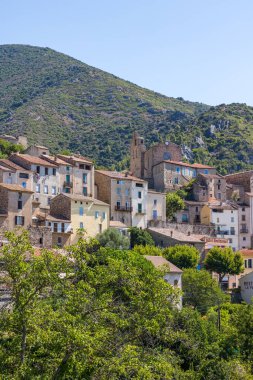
55 197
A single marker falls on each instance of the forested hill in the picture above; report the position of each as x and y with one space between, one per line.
63 103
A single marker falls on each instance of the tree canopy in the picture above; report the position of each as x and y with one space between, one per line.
174 203
112 238
224 261
183 256
138 236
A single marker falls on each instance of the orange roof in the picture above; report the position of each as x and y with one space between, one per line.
195 166
55 160
159 261
34 160
18 188
8 163
247 252
74 158
119 175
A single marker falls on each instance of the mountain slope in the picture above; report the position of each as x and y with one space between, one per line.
58 101
63 103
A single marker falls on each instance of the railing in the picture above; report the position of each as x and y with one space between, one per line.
123 208
67 184
244 230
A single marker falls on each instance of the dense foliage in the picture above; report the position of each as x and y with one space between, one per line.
112 238
7 148
224 261
183 256
174 203
138 236
109 314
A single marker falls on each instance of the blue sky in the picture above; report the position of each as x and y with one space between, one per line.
200 50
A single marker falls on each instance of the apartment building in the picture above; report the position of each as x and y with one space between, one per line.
12 173
45 177
156 206
78 176
73 213
224 216
126 194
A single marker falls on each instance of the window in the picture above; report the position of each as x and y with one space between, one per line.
54 171
19 220
67 178
23 175
243 218
81 225
154 215
53 190
118 204
38 169
120 182
250 263
178 170
206 171
62 227
127 192
230 241
59 241
55 227
244 238
45 189
139 194
155 202
219 195
46 171
67 190
197 209
20 205
232 219
67 168
24 185
100 228
81 166
81 211
243 209
232 212
103 215
139 185
87 167
218 187
184 218
37 188
218 220
232 230
48 201
139 208
96 214
246 263
118 190
128 205
84 177
176 181
85 192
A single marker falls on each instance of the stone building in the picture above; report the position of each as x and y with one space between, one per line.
209 186
15 206
126 194
156 206
143 160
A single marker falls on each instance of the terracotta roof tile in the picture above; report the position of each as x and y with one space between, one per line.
119 175
34 160
195 166
159 261
12 187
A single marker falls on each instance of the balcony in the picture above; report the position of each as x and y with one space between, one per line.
123 208
244 230
68 184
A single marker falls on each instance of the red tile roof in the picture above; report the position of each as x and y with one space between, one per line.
119 175
247 252
159 261
195 166
34 160
8 163
18 188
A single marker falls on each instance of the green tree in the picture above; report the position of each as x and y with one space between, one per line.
174 203
112 238
224 261
138 236
200 290
149 250
183 256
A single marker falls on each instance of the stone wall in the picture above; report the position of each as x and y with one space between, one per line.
40 236
242 179
198 229
103 183
61 207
